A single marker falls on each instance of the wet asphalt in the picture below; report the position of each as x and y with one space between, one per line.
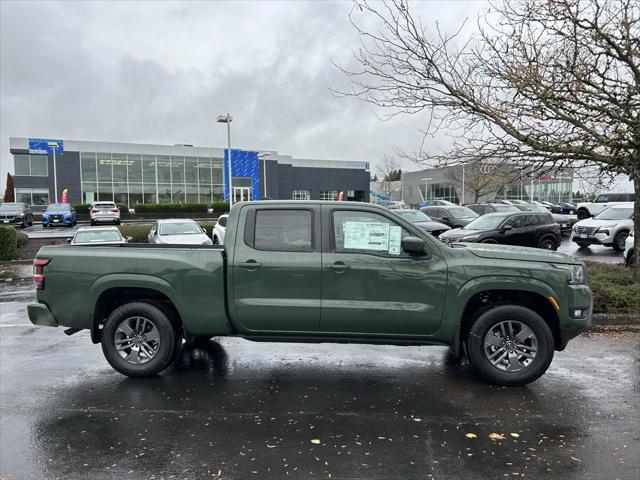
234 409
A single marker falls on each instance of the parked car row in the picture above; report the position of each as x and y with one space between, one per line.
609 228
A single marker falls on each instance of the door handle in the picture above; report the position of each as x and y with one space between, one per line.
338 267
249 264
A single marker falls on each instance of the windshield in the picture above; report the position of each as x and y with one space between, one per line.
97 236
486 222
615 214
416 216
10 207
179 228
462 212
57 207
537 209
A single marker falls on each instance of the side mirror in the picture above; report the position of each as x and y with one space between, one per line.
506 228
69 240
129 239
414 246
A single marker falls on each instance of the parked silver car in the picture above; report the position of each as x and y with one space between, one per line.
98 236
104 212
219 229
609 228
178 232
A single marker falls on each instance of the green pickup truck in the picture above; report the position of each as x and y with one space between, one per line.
310 271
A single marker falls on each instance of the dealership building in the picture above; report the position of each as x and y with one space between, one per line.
131 173
476 183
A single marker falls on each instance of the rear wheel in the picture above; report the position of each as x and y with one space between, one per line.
548 243
510 345
139 340
619 241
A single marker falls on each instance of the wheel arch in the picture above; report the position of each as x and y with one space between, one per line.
111 293
483 300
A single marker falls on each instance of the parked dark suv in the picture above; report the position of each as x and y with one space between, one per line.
15 213
453 216
484 208
527 229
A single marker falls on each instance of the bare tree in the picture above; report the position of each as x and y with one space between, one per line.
388 170
553 84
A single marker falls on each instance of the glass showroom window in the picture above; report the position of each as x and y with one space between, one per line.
301 195
39 165
164 169
31 165
23 195
328 194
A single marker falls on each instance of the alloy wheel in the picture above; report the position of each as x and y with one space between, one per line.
137 340
510 346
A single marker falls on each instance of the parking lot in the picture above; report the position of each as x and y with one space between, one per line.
236 409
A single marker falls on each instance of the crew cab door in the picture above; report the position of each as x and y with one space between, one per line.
276 269
370 286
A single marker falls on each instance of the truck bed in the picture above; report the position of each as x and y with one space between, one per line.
192 277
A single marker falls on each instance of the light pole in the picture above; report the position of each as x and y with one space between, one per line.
426 184
462 202
263 156
54 146
227 119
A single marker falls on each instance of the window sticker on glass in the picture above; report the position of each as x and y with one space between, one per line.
380 237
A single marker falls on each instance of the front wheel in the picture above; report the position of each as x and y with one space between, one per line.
139 340
510 345
619 241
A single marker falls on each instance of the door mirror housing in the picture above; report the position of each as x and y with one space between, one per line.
69 240
506 228
129 239
414 246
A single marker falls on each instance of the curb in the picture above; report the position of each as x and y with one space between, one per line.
615 319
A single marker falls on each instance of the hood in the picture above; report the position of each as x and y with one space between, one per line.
57 212
527 254
189 239
462 232
431 226
592 222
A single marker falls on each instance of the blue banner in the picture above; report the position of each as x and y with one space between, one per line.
41 146
244 164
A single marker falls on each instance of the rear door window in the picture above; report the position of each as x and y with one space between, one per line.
222 221
282 230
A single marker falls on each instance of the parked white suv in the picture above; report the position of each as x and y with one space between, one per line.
602 202
629 250
609 228
219 229
104 212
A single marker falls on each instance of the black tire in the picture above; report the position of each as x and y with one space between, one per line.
529 373
582 245
117 222
166 346
583 214
548 243
619 241
215 240
631 260
93 223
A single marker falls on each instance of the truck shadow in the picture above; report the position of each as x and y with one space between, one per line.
206 357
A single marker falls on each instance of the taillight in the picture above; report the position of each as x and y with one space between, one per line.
38 272
115 210
94 210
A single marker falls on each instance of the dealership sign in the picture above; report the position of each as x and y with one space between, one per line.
41 146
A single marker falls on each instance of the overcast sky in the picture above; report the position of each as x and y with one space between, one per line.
160 72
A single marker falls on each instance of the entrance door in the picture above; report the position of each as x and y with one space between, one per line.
242 194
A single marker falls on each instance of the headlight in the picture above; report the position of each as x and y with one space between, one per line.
577 273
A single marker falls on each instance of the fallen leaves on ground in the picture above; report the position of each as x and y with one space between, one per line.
496 436
471 435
